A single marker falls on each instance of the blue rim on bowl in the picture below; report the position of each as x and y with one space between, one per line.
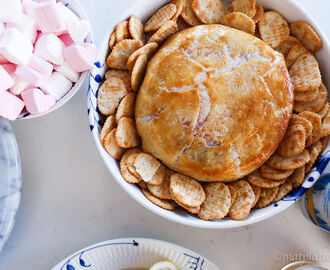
256 215
80 12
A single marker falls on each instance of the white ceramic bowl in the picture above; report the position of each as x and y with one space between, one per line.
79 11
143 9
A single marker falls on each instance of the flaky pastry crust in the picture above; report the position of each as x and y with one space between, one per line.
214 104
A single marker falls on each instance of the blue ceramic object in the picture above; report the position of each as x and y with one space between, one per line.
316 203
10 180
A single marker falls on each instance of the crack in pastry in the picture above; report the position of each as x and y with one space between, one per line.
204 108
237 61
235 158
228 99
149 117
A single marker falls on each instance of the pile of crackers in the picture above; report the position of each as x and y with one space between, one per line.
132 44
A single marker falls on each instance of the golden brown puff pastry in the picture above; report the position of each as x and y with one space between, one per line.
214 104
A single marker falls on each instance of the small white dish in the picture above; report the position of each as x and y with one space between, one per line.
79 11
291 10
133 253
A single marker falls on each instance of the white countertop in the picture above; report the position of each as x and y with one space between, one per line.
69 200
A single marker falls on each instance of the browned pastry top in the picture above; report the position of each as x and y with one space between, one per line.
214 104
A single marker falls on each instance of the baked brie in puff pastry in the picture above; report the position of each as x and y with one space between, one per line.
214 104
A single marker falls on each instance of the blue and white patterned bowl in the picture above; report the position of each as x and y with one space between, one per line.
10 180
143 9
79 11
133 253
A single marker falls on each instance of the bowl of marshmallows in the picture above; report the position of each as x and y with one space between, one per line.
46 51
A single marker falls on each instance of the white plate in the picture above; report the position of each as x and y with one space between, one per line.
133 253
143 9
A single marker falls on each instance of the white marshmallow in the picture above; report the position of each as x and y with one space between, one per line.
78 30
27 26
15 47
2 28
19 86
49 47
67 13
67 72
30 7
11 11
57 86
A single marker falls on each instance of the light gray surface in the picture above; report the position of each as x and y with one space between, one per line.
69 200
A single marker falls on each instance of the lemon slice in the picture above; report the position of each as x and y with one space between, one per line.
164 265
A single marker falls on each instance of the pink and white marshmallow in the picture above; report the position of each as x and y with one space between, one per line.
66 39
10 105
80 57
40 65
49 17
19 86
57 86
42 53
50 48
19 83
30 7
3 60
67 72
30 75
2 28
36 101
27 26
6 80
67 13
10 68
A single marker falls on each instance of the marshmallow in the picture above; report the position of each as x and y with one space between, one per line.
36 101
49 18
27 26
67 13
16 47
11 11
49 47
10 105
41 66
19 83
3 60
78 30
6 80
2 28
29 8
37 37
66 39
80 57
67 72
57 86
30 75
39 34
10 68
19 86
